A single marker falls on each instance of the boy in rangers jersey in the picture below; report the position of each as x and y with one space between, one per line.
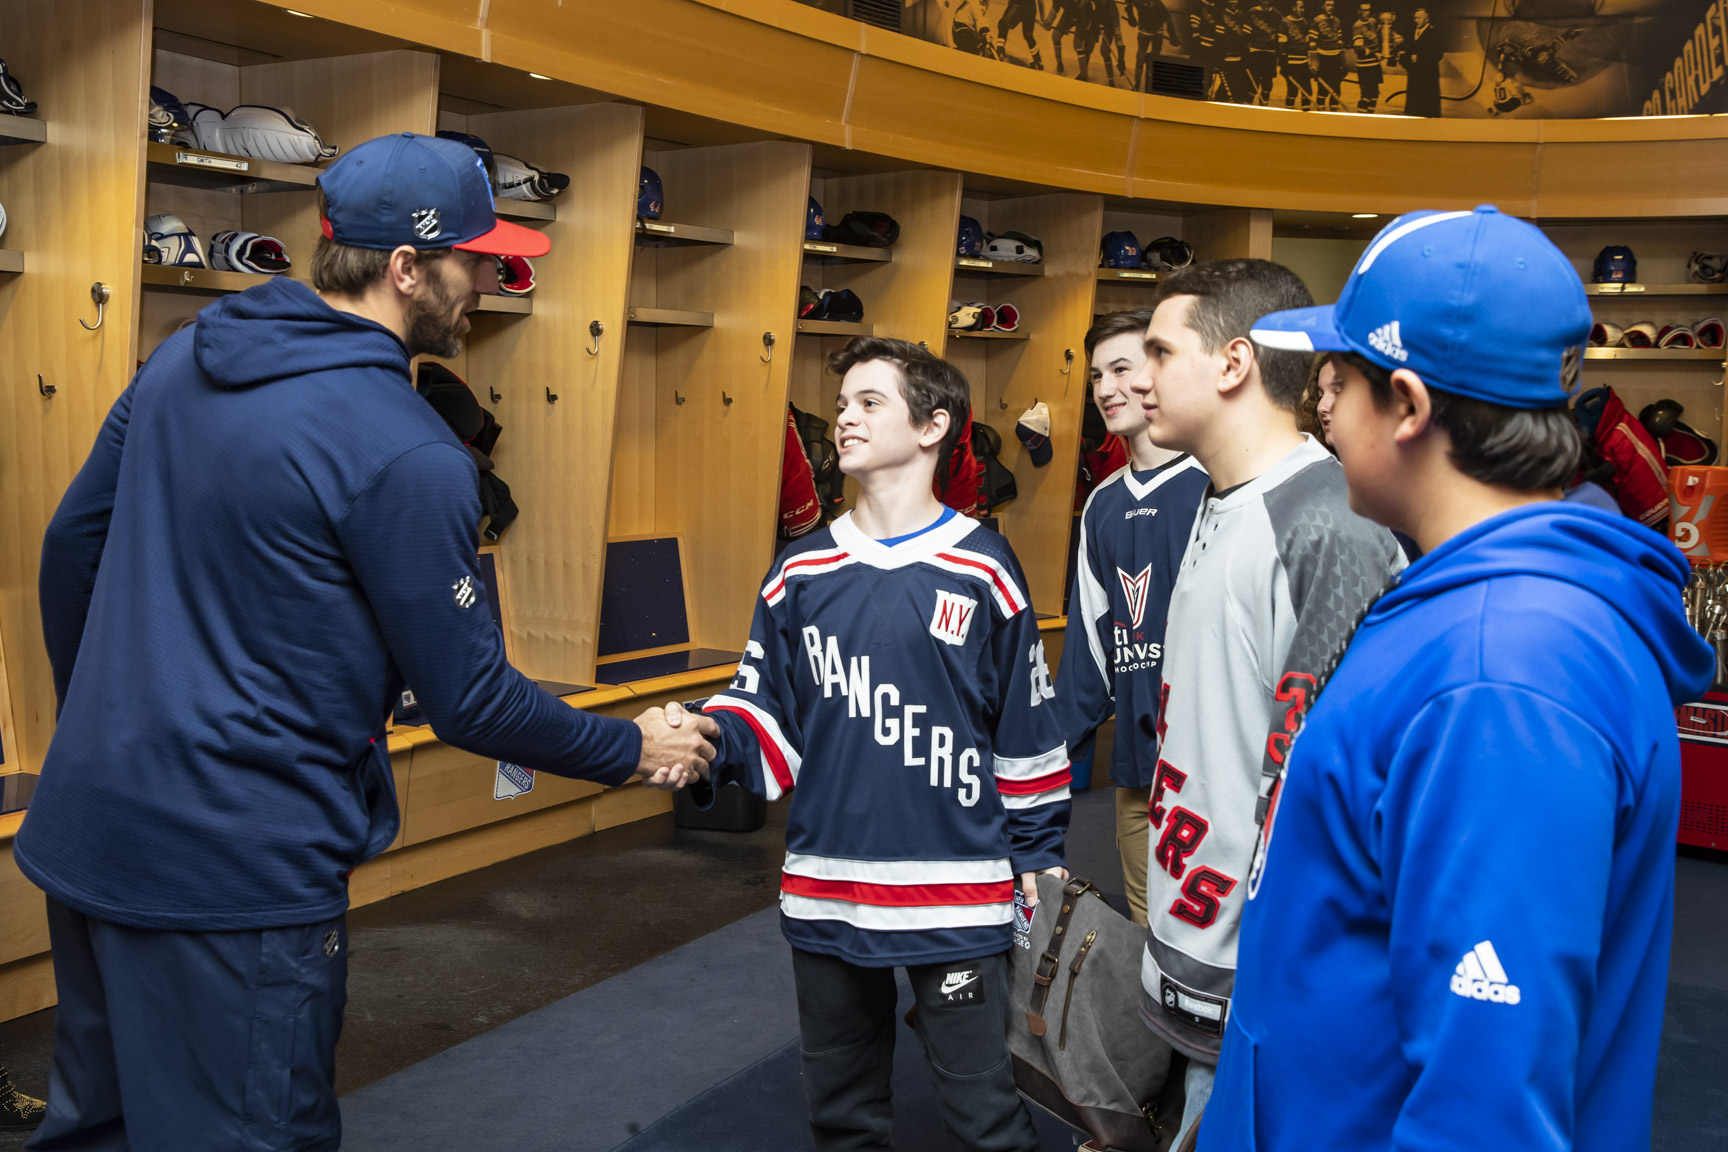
1462 899
1277 572
895 675
1132 533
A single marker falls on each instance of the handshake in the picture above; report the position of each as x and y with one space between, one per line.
675 747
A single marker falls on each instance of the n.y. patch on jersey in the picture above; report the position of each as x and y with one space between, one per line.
952 618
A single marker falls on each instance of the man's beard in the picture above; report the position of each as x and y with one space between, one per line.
431 331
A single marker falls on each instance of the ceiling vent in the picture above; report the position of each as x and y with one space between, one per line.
1177 78
879 13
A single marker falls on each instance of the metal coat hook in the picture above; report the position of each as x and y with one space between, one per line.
677 396
1068 357
725 398
496 395
551 396
595 331
768 343
99 294
45 389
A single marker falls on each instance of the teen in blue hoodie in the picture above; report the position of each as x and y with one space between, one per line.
272 531
1458 925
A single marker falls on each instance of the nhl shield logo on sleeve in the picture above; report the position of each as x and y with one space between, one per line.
952 619
466 597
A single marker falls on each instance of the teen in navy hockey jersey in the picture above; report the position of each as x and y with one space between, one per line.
895 677
1458 919
1132 534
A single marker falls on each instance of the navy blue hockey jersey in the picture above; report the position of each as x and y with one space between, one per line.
903 691
1132 535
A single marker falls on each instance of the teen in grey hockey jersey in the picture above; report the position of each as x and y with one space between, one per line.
1277 574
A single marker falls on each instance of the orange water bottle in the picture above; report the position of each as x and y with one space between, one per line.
1698 513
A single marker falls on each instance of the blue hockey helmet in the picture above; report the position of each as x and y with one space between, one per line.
1615 264
651 197
1119 250
971 237
813 221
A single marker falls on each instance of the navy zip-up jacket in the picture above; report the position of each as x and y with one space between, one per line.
271 532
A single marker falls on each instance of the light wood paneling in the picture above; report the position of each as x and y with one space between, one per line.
349 100
23 912
73 207
27 986
1230 233
453 792
555 456
1055 311
618 806
717 463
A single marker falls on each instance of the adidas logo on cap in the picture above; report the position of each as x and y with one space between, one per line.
1385 341
1479 976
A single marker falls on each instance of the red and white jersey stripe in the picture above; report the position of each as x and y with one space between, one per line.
807 564
1004 589
1033 779
780 761
898 895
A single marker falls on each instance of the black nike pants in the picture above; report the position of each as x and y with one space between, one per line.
846 1025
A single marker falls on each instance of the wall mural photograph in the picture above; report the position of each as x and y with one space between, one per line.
1456 58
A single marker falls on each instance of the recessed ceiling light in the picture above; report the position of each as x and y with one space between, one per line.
302 15
1364 215
537 76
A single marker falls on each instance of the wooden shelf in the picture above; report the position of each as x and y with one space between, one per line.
1656 289
1715 354
977 266
11 260
512 305
197 168
828 252
22 130
206 280
835 328
666 232
526 209
1127 276
671 318
987 335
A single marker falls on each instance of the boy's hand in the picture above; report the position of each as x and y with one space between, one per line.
674 753
1029 883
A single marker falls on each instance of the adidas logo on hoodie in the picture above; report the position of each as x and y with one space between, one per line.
1479 976
1385 341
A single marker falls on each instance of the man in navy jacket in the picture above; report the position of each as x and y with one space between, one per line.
272 533
1458 919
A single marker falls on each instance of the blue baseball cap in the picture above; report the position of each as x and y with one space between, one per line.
1476 303
422 192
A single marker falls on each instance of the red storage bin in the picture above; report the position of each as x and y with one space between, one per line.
1704 771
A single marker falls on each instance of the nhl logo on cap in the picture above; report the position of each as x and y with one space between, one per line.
427 223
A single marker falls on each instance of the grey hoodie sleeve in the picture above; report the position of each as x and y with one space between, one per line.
1337 564
410 537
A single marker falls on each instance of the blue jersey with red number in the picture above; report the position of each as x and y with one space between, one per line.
899 692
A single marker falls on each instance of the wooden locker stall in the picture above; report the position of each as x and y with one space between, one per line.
701 415
1043 360
904 288
347 99
1663 294
555 454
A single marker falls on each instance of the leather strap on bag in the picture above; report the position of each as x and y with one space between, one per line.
1051 961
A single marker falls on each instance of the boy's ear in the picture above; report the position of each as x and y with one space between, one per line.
1412 404
932 433
1238 366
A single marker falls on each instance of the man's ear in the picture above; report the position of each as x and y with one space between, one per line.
403 272
1238 366
1412 404
932 433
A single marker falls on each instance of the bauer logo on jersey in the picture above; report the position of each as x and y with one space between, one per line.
952 618
1134 587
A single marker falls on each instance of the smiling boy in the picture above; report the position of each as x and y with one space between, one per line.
1132 533
895 675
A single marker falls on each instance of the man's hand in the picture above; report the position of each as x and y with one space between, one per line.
674 753
1029 883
